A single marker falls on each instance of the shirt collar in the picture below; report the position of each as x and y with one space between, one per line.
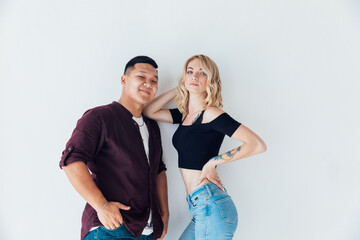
122 108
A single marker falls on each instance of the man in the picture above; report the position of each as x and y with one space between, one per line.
114 160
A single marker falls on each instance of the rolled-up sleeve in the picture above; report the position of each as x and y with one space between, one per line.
86 140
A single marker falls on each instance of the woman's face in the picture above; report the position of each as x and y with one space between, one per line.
195 78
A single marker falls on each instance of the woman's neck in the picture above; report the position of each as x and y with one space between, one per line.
195 103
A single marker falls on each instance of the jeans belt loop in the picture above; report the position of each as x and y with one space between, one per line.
208 190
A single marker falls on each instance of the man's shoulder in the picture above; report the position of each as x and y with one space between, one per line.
152 124
150 121
100 111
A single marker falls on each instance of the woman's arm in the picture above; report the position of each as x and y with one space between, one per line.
253 145
154 109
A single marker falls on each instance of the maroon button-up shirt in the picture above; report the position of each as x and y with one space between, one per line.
108 141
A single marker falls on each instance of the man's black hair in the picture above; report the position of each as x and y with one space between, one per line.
140 59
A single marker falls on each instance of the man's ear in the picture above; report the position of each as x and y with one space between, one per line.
123 79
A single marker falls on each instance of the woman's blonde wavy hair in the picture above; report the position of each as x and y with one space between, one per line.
213 86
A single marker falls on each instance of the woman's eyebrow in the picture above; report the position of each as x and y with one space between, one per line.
193 68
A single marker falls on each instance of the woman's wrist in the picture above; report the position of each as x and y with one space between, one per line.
214 161
174 92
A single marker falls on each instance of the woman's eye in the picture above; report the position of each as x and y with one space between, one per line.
204 74
189 72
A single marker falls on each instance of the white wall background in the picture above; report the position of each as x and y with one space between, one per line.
290 72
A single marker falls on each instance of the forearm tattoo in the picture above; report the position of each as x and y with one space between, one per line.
228 155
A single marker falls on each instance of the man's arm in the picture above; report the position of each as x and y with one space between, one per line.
162 194
108 212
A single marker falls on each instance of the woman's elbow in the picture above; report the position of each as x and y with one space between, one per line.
263 148
147 112
260 146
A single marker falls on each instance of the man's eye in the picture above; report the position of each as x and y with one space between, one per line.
154 81
142 77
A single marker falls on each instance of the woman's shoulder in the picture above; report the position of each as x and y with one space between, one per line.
212 113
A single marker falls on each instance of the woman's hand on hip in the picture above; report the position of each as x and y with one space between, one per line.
209 172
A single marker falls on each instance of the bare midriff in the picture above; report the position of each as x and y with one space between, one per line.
190 178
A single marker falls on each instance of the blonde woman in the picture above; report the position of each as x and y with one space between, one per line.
202 127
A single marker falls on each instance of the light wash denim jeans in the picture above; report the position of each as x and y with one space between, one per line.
120 233
214 214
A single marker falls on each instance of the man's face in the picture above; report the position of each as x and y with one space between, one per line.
140 83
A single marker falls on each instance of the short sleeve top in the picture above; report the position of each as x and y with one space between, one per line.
196 144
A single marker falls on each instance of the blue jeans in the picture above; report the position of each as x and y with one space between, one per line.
214 214
121 232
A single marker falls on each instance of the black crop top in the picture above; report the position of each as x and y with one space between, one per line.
198 143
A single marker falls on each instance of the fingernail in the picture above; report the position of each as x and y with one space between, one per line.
223 189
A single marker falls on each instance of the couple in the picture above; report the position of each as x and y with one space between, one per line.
114 156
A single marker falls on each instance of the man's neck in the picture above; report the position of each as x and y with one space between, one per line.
134 108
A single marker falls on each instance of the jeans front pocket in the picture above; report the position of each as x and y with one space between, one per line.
112 230
198 201
198 208
227 210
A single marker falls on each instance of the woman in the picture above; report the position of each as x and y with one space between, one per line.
202 127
